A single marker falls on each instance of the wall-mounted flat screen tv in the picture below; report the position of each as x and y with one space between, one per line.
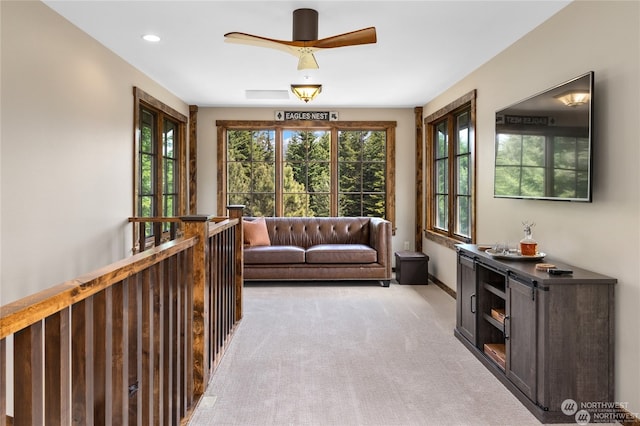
544 144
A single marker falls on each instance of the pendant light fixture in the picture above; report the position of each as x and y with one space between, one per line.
306 92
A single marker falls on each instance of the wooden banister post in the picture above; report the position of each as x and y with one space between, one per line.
29 398
198 226
235 212
142 236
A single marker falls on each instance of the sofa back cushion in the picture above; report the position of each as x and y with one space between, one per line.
310 231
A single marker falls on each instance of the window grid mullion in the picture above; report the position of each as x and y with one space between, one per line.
460 204
159 166
439 164
279 172
150 185
453 143
325 184
334 173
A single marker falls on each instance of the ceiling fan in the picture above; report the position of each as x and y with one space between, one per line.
305 39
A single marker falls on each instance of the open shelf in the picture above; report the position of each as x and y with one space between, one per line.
494 322
495 290
496 353
491 297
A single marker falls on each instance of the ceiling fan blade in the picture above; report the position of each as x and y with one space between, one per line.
253 40
304 49
363 36
295 48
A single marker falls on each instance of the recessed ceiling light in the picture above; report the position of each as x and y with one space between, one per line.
151 38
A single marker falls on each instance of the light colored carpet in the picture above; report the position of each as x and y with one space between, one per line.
353 355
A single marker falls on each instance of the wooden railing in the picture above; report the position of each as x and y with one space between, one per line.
156 235
132 343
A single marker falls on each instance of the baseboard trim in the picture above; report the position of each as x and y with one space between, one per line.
443 286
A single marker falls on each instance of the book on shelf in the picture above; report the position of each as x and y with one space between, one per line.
495 351
498 314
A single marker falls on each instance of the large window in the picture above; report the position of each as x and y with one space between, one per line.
159 160
361 173
306 185
251 170
450 161
308 169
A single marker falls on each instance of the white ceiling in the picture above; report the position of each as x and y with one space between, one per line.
423 46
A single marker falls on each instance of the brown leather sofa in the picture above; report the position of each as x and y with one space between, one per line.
322 249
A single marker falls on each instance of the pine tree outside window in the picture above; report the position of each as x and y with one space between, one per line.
336 169
361 173
251 170
306 170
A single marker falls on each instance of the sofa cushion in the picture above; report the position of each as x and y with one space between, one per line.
258 255
310 231
255 232
341 253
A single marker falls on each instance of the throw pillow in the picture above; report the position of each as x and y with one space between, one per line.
255 232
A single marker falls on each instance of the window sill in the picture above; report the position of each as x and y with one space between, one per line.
442 239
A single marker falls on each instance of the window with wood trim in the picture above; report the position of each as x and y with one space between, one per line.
160 160
450 167
308 168
361 173
251 168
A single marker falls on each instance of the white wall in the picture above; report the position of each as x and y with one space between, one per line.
405 157
602 236
67 150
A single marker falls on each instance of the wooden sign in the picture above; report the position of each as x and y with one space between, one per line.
306 116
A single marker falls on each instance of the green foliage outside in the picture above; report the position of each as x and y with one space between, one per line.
306 172
148 203
146 158
169 172
452 158
251 171
361 173
442 176
463 178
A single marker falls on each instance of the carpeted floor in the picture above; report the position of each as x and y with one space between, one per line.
353 355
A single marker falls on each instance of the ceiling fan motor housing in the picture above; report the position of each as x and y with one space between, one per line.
305 25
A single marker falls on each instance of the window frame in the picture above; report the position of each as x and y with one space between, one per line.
449 238
161 112
362 163
281 154
333 127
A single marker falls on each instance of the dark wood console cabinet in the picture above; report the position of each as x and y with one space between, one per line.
547 338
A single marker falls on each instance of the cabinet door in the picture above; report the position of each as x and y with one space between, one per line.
466 298
521 334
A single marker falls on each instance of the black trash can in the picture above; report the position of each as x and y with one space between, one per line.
412 267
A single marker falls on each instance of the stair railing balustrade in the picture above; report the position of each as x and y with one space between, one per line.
132 343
